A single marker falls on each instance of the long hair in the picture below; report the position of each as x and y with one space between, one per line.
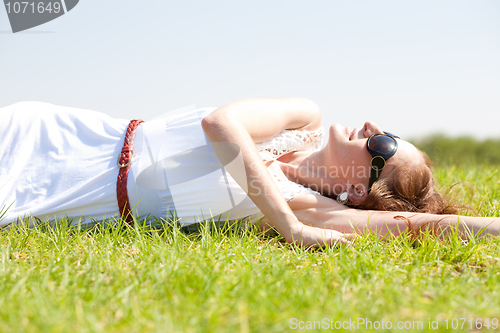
410 188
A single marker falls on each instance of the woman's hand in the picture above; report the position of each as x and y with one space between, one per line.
308 236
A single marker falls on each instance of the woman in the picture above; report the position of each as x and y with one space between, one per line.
257 159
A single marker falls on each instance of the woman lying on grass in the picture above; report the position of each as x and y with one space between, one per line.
255 159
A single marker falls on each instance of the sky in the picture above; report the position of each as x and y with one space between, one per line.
412 67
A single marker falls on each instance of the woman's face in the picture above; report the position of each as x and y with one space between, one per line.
351 160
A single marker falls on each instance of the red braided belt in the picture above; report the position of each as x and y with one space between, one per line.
124 160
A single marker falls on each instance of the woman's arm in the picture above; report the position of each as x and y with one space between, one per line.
263 118
245 122
323 212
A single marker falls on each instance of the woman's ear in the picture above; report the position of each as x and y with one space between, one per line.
357 193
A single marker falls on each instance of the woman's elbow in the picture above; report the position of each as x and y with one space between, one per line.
210 123
206 122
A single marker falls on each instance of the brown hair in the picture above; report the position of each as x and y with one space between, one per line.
410 188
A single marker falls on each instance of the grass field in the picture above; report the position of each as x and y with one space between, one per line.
138 280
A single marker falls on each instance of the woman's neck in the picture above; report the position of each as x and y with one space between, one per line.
308 169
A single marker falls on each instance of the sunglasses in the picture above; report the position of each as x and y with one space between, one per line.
381 147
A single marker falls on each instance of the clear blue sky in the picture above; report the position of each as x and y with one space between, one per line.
413 67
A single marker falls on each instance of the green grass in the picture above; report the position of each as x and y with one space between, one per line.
112 279
460 150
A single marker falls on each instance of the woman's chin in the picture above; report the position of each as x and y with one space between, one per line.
339 133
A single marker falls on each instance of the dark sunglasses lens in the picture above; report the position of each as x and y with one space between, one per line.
382 144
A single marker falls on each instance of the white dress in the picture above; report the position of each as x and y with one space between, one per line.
61 162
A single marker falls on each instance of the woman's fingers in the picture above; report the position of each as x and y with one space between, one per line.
352 237
313 237
345 239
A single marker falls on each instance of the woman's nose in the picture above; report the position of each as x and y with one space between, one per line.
370 128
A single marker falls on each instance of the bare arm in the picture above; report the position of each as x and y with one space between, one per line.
322 212
248 121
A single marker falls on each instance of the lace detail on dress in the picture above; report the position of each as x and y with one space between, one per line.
284 143
288 141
